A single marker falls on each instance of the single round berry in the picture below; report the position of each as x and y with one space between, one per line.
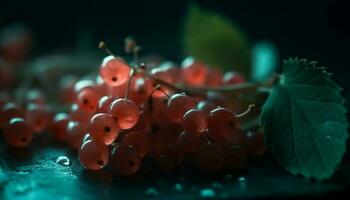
126 113
194 121
178 104
88 99
93 155
125 160
8 111
59 126
114 71
17 133
221 121
37 117
194 73
104 128
139 140
75 133
80 115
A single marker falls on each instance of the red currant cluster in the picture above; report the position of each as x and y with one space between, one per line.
126 113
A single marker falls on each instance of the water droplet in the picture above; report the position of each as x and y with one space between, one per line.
242 183
178 187
207 194
152 192
63 160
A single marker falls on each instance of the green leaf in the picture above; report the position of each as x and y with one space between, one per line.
304 120
216 41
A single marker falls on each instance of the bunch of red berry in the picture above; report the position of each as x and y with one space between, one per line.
126 113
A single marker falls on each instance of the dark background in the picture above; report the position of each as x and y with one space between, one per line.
317 30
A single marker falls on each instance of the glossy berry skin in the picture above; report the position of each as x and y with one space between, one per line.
139 140
80 115
194 121
233 78
206 106
17 133
221 121
126 113
35 96
66 89
255 143
114 71
59 125
87 99
188 143
178 104
10 110
37 117
125 160
104 103
235 157
194 73
75 133
140 89
104 128
93 155
210 158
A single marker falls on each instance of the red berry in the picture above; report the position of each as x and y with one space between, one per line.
233 78
87 99
194 73
75 133
17 133
214 77
125 160
126 112
139 140
93 155
114 71
37 117
80 115
178 104
194 121
221 121
104 128
10 110
59 126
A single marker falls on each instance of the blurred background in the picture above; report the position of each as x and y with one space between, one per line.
317 30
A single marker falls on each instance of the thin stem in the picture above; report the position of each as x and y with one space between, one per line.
102 45
131 75
250 108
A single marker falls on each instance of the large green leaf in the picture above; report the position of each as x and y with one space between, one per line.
304 120
216 41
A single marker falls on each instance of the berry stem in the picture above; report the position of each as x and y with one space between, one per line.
250 108
131 75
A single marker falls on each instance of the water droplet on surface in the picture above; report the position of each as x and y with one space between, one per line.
63 160
207 194
152 192
242 183
178 187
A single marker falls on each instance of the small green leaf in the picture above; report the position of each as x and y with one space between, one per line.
304 120
216 41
